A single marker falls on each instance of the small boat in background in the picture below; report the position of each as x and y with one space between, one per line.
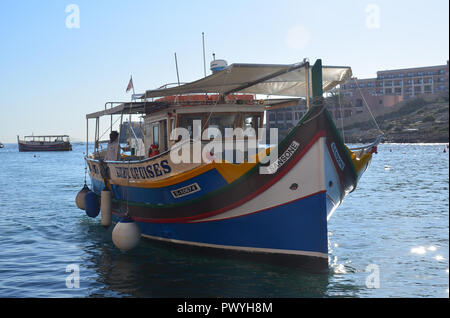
1 145
45 143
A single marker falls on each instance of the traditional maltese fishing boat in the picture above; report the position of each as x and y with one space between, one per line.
45 143
215 184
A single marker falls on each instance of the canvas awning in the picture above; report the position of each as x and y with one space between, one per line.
264 79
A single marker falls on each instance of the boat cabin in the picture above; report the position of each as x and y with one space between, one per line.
46 139
205 117
228 98
194 113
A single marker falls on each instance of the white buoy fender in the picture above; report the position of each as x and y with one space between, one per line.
105 208
79 200
126 234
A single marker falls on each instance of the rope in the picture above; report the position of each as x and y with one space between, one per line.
217 101
85 171
367 105
342 115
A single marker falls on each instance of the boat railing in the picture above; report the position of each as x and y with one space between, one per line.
359 151
171 85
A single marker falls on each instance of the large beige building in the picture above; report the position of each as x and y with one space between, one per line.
407 83
387 89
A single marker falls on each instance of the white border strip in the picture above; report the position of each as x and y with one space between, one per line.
240 248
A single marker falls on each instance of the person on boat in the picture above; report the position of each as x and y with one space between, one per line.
113 150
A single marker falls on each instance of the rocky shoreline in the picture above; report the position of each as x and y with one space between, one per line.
419 120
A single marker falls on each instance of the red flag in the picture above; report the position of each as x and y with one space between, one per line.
130 85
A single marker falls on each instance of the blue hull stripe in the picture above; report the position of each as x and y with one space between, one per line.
298 226
206 182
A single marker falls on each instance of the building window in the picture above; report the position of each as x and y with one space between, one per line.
441 72
419 73
380 84
398 83
388 91
410 74
272 117
409 82
381 77
343 86
380 101
401 75
417 89
370 84
388 83
280 117
427 88
359 102
398 90
288 116
391 76
430 73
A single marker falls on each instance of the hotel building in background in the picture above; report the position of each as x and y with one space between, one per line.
387 89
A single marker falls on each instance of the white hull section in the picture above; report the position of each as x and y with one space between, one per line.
312 174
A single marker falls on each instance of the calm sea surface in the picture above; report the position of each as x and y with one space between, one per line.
390 238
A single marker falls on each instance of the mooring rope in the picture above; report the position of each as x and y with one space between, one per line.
367 106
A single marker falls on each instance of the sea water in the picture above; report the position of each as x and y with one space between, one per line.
390 238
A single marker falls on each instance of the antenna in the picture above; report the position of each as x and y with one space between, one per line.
204 62
176 65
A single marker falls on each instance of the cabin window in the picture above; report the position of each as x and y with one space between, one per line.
147 129
221 121
155 134
252 121
172 124
187 121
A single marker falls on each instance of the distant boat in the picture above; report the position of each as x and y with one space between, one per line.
1 145
45 143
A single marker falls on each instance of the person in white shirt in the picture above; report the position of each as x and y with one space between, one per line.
113 150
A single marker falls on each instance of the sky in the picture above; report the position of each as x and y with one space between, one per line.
60 60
